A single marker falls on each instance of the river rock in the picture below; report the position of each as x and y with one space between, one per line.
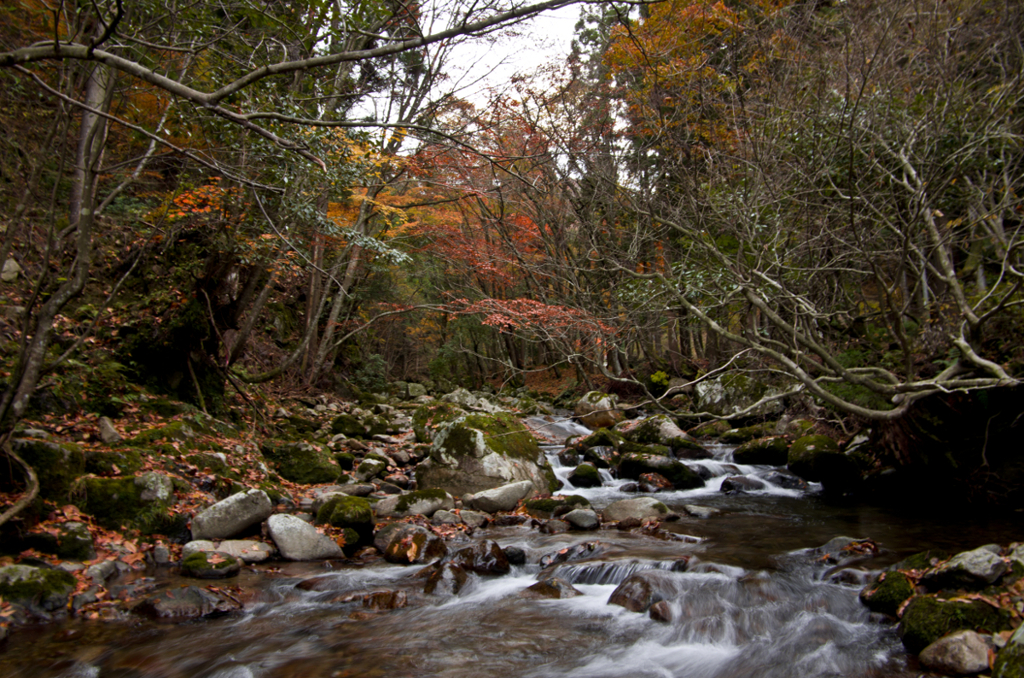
210 565
588 549
247 550
771 451
504 498
369 469
40 590
970 570
641 590
385 600
654 482
640 508
483 557
741 484
410 544
444 517
301 462
232 515
633 465
598 410
659 429
926 619
419 502
1010 660
478 452
701 511
732 393
817 458
447 580
960 653
298 540
786 481
661 612
474 519
108 434
887 592
582 519
186 602
555 526
550 588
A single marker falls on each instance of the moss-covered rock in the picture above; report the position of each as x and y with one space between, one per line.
345 460
773 451
585 475
113 462
887 593
478 452
732 393
352 426
139 502
598 410
545 508
602 437
301 462
38 589
427 418
679 474
736 436
709 429
57 465
176 431
927 618
354 515
211 565
1009 662
817 458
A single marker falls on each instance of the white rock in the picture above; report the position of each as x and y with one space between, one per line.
229 517
298 540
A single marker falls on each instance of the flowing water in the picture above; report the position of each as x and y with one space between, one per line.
752 600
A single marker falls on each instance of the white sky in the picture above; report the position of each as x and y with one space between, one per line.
481 65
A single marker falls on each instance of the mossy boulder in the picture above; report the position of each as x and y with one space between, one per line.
427 418
176 431
736 436
370 468
585 475
772 451
632 466
425 502
732 393
549 506
1010 660
353 426
639 448
352 514
139 502
41 590
211 565
927 618
345 460
57 465
817 458
114 462
478 452
301 462
602 437
710 429
598 410
659 429
887 592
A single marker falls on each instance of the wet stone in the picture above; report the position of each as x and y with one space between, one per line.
447 580
555 527
484 557
550 588
385 600
661 611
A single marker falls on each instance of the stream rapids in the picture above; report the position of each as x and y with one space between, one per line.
754 600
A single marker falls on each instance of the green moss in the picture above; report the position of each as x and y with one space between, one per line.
887 592
773 451
710 429
301 462
371 468
178 431
676 472
343 510
102 463
922 561
926 619
637 448
117 502
549 504
502 433
588 473
57 465
32 586
1010 660
345 460
602 437
200 561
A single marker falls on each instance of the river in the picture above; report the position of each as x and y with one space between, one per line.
753 600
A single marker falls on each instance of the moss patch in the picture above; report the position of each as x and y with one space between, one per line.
36 586
301 462
103 463
887 593
926 619
57 465
773 451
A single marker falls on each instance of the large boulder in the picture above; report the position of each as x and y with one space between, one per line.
298 540
771 451
659 429
478 452
732 393
504 498
817 458
57 465
301 462
973 570
231 516
958 654
640 508
354 515
419 502
427 418
926 619
887 592
470 401
632 466
40 590
598 410
139 502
